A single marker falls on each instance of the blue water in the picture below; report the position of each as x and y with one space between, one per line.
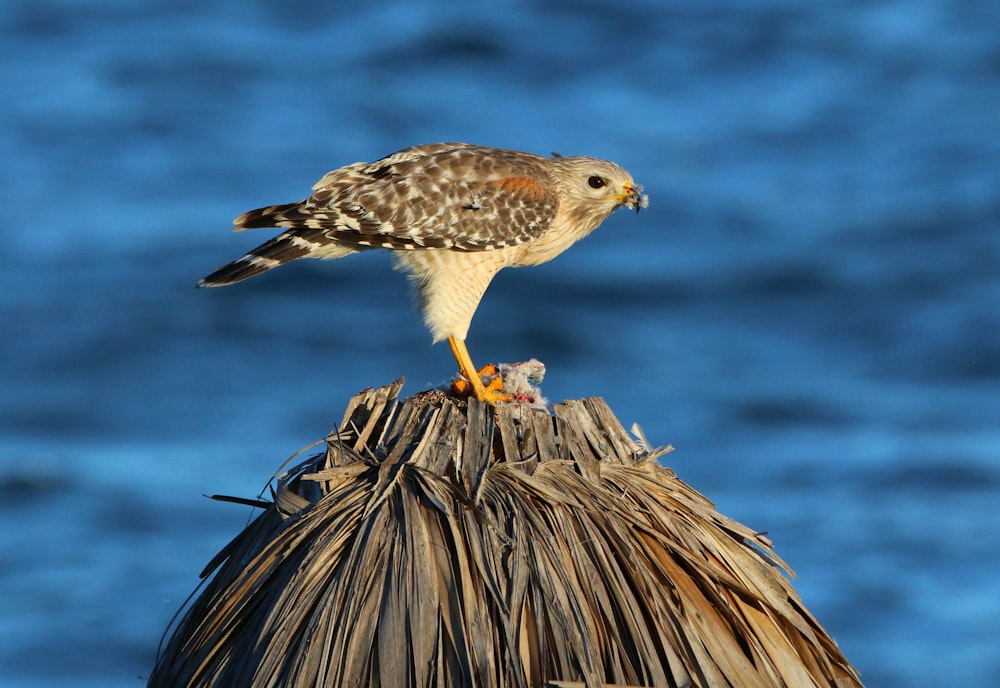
809 310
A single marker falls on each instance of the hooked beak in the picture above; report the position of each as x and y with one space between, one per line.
632 197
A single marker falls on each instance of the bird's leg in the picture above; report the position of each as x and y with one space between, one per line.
490 394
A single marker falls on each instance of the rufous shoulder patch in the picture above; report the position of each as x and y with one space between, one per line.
521 186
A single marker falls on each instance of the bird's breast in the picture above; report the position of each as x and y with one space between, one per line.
559 237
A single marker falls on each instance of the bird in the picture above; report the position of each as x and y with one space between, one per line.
453 215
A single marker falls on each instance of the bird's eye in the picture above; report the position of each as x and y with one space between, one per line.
596 182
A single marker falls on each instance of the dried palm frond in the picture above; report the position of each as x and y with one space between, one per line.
439 543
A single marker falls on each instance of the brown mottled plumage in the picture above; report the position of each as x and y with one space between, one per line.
454 215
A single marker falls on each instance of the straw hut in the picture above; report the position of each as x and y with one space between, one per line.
439 542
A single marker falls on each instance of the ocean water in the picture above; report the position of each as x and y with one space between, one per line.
809 311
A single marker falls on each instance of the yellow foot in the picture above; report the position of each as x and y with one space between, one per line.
490 392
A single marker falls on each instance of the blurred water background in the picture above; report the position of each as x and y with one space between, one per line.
809 311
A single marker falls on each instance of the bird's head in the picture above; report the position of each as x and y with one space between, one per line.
597 185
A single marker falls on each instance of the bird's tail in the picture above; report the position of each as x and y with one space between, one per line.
284 248
278 251
285 215
303 239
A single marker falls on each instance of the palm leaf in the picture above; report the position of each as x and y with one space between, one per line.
443 543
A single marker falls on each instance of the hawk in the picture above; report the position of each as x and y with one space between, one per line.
453 214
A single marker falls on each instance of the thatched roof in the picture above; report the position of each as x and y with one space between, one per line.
439 543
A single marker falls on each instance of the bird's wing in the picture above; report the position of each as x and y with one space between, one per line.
453 196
